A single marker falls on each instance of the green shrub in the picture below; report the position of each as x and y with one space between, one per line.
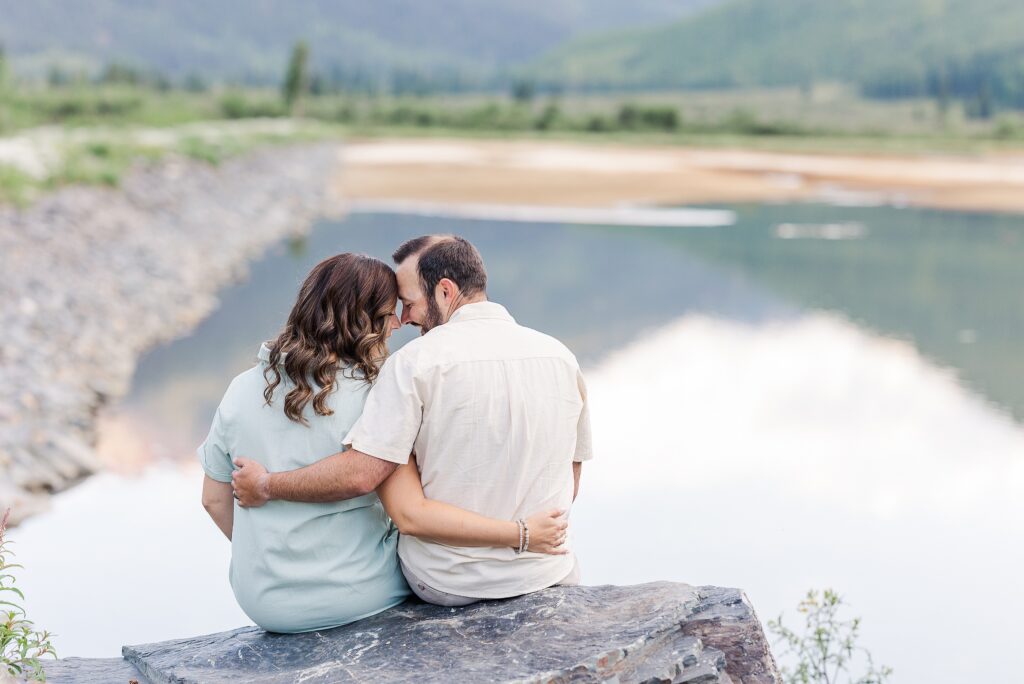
59 105
117 106
828 646
409 115
94 163
1007 129
22 648
99 149
485 116
235 105
345 113
16 187
203 150
549 117
597 123
633 117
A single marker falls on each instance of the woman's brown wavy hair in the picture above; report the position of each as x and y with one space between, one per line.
340 319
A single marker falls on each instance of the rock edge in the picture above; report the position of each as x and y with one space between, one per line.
657 632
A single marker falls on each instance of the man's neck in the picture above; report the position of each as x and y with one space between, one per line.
462 301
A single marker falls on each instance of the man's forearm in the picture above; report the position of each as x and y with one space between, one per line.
577 469
446 524
339 477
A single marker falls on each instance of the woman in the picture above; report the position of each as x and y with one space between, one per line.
299 567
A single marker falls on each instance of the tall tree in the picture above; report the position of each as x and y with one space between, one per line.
296 80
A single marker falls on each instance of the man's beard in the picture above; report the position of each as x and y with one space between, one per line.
433 318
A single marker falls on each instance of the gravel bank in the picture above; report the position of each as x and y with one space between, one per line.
92 277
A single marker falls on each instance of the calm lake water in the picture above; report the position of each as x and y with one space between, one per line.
817 396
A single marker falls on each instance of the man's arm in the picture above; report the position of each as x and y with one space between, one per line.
344 475
577 470
418 516
217 502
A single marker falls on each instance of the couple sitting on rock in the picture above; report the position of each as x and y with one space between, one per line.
470 439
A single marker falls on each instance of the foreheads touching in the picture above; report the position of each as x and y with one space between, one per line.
436 275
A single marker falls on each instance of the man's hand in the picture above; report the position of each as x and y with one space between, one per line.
251 483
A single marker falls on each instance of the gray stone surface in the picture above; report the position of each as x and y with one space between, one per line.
725 620
91 671
92 277
661 632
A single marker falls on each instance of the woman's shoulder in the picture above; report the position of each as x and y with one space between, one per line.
246 391
350 383
246 383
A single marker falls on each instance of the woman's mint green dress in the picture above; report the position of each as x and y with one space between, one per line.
297 567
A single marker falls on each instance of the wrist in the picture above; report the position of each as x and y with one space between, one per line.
266 486
511 534
524 536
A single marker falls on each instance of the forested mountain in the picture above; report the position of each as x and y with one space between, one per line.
250 39
971 49
890 48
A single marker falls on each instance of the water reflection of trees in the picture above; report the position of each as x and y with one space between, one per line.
952 283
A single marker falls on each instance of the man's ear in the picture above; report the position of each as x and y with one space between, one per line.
448 289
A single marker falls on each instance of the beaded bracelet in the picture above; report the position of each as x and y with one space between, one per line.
522 535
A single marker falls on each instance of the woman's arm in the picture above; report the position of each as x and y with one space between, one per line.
219 503
418 516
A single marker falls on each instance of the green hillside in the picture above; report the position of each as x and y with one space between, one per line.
891 48
248 40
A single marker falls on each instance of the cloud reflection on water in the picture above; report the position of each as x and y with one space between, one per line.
773 456
795 454
814 406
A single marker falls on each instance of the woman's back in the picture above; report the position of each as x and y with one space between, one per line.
301 566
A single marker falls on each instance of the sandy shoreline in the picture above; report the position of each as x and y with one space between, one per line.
556 173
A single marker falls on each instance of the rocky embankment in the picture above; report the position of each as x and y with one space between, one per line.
92 277
658 632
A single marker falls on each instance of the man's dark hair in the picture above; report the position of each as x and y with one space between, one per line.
445 256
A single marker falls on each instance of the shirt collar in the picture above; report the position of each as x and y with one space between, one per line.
264 355
479 310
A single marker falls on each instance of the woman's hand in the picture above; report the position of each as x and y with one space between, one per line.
547 532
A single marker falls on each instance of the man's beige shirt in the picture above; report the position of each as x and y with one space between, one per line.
496 414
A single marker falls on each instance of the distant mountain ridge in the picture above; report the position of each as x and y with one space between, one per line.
250 39
888 47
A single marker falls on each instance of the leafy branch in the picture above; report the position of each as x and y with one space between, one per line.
22 647
827 649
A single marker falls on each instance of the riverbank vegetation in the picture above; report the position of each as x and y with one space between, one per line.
95 126
828 112
120 95
103 155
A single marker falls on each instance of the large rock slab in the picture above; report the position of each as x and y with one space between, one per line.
91 671
662 632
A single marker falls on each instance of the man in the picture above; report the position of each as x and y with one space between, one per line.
495 412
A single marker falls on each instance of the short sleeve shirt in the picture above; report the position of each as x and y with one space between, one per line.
496 414
301 566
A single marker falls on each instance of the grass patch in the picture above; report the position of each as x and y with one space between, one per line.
107 157
16 187
99 162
